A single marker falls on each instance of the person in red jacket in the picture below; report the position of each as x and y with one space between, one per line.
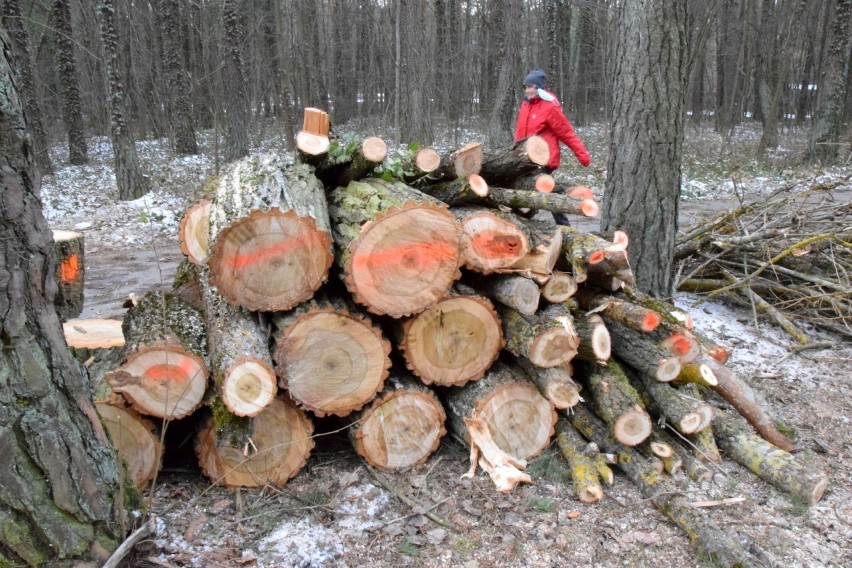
542 114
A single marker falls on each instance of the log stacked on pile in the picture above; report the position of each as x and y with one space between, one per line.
503 320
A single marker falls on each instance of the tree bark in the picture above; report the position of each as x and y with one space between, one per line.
236 100
66 68
646 141
59 490
177 81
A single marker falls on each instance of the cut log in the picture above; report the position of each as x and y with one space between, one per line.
636 350
69 247
346 162
704 445
584 472
533 182
312 141
780 468
331 359
85 336
504 469
163 373
239 355
517 292
424 162
595 342
508 163
554 383
194 232
491 239
741 396
553 202
694 467
632 315
688 414
401 428
581 250
618 404
315 121
271 447
520 420
135 441
547 338
270 234
697 373
559 288
459 163
398 248
666 497
541 258
468 190
453 342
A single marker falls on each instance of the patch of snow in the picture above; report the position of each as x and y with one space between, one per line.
305 544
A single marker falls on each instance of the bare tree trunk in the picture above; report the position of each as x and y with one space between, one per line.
647 136
59 487
236 102
829 133
13 22
500 124
178 82
69 83
131 181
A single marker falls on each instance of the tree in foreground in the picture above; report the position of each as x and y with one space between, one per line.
59 484
646 140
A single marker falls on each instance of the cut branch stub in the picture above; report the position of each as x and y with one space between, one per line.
401 428
399 249
249 452
194 232
134 441
270 261
331 361
453 342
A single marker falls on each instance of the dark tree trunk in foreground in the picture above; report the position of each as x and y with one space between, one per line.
59 483
830 129
647 136
178 82
66 68
131 181
14 23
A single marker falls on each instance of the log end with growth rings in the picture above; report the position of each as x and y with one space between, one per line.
405 259
331 361
374 149
478 185
490 242
555 346
249 386
453 342
427 160
668 369
400 430
312 144
270 260
521 420
545 183
589 208
194 232
537 150
633 427
134 440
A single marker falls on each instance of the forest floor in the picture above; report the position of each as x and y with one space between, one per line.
337 513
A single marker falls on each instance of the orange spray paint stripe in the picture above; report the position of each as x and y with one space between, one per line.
427 256
496 244
286 246
180 372
69 268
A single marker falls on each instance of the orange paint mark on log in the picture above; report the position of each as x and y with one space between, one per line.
171 372
495 244
596 257
580 192
589 208
283 247
718 353
427 256
679 344
650 322
69 268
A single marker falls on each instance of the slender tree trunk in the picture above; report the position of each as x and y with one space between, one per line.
236 100
829 132
69 83
178 82
131 181
13 22
59 486
647 136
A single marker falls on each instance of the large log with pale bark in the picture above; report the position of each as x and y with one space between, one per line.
270 237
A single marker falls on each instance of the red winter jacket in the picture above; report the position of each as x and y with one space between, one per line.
546 119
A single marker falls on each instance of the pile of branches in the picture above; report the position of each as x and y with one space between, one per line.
786 255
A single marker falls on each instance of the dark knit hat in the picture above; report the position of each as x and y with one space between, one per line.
536 78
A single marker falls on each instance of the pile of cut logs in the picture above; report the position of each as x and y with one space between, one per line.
411 297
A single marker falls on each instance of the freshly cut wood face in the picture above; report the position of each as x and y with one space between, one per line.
134 442
280 445
404 261
332 363
520 419
162 381
270 260
401 430
490 242
249 387
93 333
454 341
194 232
